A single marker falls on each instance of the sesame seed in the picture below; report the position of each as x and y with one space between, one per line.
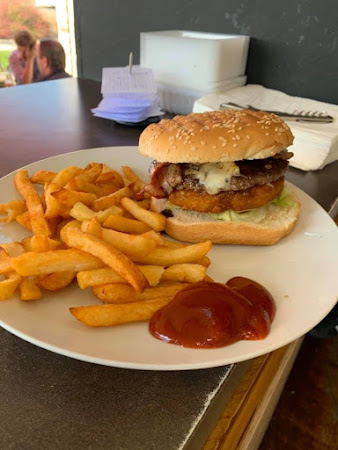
235 145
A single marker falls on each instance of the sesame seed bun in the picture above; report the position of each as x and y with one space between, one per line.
216 136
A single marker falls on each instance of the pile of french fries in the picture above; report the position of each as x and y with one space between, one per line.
87 225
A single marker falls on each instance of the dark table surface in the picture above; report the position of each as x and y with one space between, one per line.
51 401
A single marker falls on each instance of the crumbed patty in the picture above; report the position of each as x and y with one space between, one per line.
201 201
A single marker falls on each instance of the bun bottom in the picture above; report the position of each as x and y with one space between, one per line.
193 227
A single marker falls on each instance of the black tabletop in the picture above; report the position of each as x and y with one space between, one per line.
55 402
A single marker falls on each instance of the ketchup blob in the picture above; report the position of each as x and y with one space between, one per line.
211 315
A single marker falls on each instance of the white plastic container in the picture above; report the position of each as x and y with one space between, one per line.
180 99
193 59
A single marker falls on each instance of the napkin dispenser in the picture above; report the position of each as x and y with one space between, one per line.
193 59
189 64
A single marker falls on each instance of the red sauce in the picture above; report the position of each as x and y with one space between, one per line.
210 315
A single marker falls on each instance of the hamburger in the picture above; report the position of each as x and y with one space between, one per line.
220 175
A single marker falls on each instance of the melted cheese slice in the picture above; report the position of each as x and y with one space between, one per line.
215 177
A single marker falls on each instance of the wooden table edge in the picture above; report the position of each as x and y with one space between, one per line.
249 410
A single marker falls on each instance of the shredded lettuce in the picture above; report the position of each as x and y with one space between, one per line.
254 215
284 200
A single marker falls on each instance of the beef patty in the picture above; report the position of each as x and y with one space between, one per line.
252 173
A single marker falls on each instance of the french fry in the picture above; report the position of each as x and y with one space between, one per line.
54 261
33 203
13 248
109 315
152 273
168 256
27 244
24 220
7 252
112 199
131 176
162 241
112 257
8 286
92 227
97 277
13 209
172 244
90 172
155 220
104 214
69 197
157 237
42 177
108 174
123 293
191 273
5 262
53 224
59 227
29 290
125 225
131 245
59 181
56 281
105 188
78 184
81 212
43 244
205 261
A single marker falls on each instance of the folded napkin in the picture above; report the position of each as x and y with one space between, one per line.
315 144
129 96
134 107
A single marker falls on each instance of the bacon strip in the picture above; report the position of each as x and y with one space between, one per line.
154 187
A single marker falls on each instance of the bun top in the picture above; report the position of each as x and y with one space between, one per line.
215 136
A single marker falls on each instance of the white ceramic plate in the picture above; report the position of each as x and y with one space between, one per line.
300 272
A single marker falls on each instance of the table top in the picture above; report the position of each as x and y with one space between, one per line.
58 402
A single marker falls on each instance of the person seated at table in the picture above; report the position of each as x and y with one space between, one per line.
51 60
22 61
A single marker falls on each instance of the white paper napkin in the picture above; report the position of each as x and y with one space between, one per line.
128 96
315 144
